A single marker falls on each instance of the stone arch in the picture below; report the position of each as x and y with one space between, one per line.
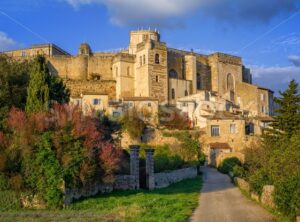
173 74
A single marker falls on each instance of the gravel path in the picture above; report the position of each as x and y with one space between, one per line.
221 201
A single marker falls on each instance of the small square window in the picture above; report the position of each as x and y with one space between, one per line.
96 101
149 104
232 128
215 131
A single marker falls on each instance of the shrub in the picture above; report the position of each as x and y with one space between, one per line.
228 164
9 200
239 171
173 119
4 184
258 179
287 195
133 125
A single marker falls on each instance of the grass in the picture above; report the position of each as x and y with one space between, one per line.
174 203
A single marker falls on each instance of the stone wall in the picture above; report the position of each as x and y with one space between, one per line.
92 86
167 178
266 198
122 182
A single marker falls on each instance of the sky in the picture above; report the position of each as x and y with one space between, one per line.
266 34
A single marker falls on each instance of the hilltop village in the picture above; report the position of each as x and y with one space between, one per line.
215 92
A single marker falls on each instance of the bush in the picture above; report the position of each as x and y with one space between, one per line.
133 125
4 185
287 195
258 180
9 200
228 164
239 171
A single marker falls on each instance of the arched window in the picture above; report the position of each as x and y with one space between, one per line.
186 93
173 74
128 71
199 85
157 58
230 83
173 93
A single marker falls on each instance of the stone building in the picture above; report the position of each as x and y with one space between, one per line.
205 87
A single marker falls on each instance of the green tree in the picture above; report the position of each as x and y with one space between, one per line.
58 90
14 78
38 89
288 118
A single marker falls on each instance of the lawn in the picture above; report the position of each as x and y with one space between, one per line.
174 203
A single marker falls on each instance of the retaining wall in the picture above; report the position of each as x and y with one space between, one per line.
165 179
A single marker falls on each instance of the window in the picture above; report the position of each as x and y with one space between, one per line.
117 70
128 71
215 131
262 109
199 81
232 128
116 114
141 60
144 59
173 93
157 58
149 104
262 97
156 79
96 101
249 129
173 74
230 82
186 93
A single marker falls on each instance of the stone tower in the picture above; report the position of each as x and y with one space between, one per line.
151 65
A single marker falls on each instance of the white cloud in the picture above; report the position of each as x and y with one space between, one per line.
275 77
165 12
295 60
6 43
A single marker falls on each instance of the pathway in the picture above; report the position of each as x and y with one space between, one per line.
221 201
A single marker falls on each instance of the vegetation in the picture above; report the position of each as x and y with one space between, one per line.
229 164
133 124
44 88
190 149
14 77
171 118
164 158
276 160
174 203
42 151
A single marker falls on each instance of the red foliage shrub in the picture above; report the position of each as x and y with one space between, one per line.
110 158
17 119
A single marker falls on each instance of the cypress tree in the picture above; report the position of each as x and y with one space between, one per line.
288 113
38 89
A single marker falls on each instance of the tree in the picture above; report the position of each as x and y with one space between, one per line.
14 78
288 119
38 89
58 90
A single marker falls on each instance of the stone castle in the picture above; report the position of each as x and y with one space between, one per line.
215 91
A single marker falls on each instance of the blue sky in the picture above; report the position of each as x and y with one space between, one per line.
266 34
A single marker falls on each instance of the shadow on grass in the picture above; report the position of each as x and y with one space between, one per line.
184 187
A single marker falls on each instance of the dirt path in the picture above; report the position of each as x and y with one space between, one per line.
221 201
